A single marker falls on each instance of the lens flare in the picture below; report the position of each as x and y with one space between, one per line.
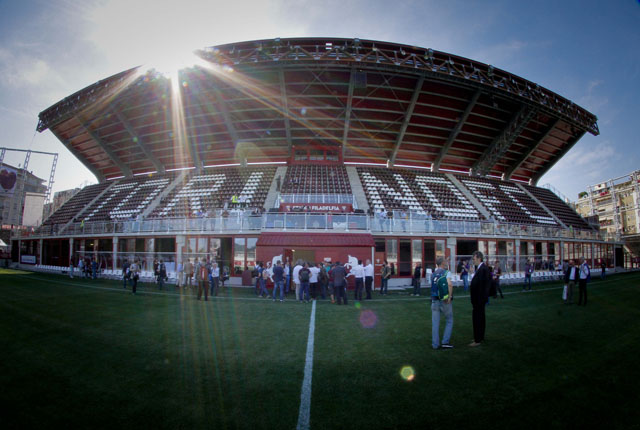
368 319
407 373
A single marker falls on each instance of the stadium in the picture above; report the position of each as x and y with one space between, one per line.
334 148
324 150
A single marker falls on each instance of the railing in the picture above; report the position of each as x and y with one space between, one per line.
239 222
317 198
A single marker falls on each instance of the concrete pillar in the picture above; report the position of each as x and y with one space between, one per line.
452 244
180 243
115 253
517 245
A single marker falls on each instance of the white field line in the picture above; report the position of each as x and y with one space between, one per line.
305 397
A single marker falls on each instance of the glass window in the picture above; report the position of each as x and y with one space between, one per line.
251 251
215 248
192 245
392 250
202 245
416 253
440 250
238 254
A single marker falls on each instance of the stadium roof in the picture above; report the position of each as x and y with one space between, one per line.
377 102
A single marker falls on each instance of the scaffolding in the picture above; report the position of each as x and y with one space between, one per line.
23 174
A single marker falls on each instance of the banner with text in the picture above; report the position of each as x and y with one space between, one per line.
316 207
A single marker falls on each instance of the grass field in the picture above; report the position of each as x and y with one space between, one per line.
88 354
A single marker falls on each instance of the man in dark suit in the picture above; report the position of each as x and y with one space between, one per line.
479 289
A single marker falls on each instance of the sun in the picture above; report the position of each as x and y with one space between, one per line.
170 63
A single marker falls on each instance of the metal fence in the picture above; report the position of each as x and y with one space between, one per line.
239 222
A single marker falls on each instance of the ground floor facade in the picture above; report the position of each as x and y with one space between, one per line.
238 252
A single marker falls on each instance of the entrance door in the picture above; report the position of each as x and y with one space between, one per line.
308 255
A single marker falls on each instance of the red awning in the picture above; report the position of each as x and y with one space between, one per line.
305 239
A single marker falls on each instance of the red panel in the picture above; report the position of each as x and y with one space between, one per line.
313 240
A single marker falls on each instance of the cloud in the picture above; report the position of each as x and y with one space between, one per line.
588 163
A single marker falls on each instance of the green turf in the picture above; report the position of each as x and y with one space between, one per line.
99 357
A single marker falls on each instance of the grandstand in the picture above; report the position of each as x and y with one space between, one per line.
323 149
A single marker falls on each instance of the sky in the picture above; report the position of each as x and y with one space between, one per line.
587 51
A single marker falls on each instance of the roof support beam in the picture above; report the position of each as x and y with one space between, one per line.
347 112
456 130
285 108
531 150
407 119
227 117
193 145
145 150
503 141
558 156
126 171
99 176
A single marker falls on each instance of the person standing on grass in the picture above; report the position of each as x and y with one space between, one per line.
71 267
585 276
134 271
180 274
385 274
202 277
441 297
497 272
215 279
464 274
571 276
358 272
339 275
304 274
368 278
188 272
264 277
323 280
528 271
287 275
332 289
603 268
161 274
313 282
417 275
278 281
480 285
296 278
126 274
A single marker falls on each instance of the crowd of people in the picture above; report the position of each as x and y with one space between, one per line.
329 280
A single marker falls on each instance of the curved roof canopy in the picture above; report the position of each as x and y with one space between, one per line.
378 102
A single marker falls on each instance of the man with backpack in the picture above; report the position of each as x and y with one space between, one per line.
441 297
304 275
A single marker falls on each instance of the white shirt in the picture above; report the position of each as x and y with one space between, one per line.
368 270
358 271
314 274
584 271
296 271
